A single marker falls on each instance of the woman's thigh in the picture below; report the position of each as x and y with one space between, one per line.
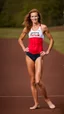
31 67
38 69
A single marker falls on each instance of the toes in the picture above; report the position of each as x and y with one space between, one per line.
35 107
52 106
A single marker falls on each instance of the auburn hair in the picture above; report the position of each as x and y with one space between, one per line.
27 21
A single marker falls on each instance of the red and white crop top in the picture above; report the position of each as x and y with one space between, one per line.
35 41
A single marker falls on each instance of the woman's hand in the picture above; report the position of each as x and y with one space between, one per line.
26 49
43 53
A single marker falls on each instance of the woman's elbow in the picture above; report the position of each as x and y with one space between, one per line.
52 41
19 40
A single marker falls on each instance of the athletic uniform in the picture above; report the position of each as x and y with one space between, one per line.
35 43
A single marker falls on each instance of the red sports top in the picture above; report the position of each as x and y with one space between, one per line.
35 41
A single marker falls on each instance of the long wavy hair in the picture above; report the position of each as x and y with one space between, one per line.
27 21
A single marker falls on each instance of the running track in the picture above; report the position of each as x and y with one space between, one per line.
15 93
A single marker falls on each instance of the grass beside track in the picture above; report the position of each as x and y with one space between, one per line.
58 36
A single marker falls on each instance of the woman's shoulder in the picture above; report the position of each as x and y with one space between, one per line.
25 30
44 27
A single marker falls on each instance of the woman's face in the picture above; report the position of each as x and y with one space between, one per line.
34 17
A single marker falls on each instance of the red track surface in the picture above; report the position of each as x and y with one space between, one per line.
15 93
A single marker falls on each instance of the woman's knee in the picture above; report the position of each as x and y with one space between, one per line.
38 79
39 83
33 82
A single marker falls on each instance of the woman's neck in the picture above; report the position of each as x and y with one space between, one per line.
35 24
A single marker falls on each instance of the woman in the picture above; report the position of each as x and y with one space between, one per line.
34 53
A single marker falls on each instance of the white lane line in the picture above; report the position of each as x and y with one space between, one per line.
31 96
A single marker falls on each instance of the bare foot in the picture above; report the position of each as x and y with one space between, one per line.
50 104
35 107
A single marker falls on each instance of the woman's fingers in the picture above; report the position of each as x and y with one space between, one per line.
27 49
43 53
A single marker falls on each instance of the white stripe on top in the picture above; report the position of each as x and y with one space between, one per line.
38 33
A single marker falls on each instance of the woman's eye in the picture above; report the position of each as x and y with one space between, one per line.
32 16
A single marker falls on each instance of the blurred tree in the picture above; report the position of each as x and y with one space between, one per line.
1 4
12 12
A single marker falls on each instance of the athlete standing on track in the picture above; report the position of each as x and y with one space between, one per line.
34 53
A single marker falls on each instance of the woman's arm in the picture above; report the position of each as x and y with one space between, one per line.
20 40
49 36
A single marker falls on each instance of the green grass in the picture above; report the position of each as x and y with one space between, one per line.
58 40
10 32
58 37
